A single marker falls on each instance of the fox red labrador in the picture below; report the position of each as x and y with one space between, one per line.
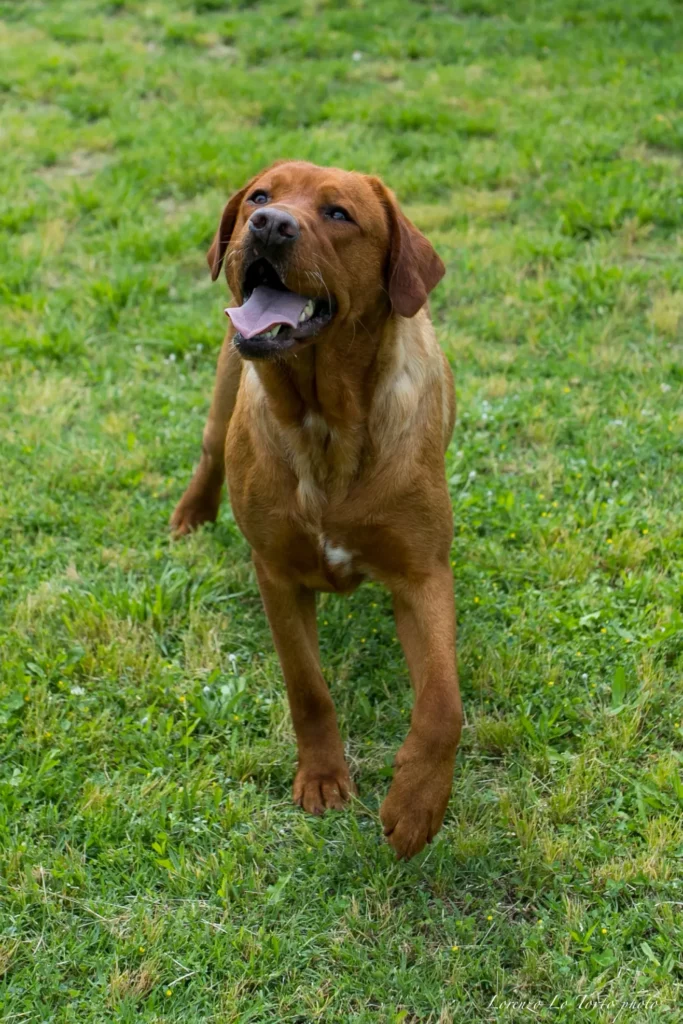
332 410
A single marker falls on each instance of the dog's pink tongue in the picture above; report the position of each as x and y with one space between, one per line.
265 308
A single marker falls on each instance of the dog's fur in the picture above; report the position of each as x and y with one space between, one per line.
334 454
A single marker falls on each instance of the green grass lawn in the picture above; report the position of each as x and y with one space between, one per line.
152 867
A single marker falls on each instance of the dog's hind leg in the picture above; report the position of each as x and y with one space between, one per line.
200 502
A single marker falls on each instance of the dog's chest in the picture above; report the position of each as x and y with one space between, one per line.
319 457
324 460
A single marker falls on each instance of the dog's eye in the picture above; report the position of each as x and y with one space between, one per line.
338 213
259 197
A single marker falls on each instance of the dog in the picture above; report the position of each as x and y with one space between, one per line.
332 410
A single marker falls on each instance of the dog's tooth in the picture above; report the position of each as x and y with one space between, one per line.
307 312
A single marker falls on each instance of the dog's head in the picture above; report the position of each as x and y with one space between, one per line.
309 250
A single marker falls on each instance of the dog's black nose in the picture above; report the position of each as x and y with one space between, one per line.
273 227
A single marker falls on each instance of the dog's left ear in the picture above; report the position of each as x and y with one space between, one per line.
414 267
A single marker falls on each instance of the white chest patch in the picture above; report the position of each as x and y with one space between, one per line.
336 557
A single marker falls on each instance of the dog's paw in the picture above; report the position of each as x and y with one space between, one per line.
318 791
414 808
190 514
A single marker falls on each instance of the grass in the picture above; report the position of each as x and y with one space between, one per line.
152 866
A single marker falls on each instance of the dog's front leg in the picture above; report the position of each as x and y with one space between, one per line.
414 808
200 502
322 779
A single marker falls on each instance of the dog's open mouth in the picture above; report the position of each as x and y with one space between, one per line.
272 319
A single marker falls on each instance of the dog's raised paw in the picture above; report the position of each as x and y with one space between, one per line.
188 516
413 810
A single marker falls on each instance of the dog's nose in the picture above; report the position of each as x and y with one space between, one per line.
273 227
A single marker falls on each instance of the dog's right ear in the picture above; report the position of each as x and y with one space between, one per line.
219 246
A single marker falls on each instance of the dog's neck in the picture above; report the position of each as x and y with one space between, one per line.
336 401
333 380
